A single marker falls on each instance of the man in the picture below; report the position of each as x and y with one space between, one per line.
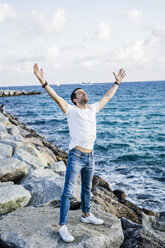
82 127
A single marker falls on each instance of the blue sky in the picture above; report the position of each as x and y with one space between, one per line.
75 41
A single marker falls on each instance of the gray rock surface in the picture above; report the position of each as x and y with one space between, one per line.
153 226
28 158
6 151
46 187
59 167
136 235
12 197
38 228
12 169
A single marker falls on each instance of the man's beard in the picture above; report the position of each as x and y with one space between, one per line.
84 100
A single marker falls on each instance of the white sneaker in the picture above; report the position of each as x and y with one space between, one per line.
65 235
92 219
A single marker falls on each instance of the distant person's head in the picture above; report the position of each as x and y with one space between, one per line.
2 105
79 96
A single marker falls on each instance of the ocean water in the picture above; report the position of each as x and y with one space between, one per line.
130 144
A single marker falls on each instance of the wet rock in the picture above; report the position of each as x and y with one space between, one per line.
98 181
111 205
136 235
120 194
153 226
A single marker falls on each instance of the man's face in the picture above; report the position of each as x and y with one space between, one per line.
82 96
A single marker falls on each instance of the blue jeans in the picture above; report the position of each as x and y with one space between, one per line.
78 162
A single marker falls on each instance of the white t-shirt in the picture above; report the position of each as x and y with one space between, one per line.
82 125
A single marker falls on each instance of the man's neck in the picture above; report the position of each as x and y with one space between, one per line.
82 106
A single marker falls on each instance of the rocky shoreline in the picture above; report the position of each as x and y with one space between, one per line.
6 93
32 173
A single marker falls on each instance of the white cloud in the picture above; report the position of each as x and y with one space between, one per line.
38 24
159 31
103 32
133 53
6 11
134 15
59 19
53 52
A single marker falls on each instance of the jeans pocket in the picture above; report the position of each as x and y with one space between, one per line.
75 153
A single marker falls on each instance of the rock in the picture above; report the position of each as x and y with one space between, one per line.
59 167
12 92
46 155
32 161
111 204
136 235
104 196
12 197
39 227
153 226
98 181
18 93
11 169
120 194
13 143
6 93
3 133
24 92
6 151
135 208
33 140
46 187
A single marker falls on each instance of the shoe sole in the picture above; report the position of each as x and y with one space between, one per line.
85 221
65 240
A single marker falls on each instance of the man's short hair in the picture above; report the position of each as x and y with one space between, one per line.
73 95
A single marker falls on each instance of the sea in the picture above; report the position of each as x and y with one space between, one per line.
130 144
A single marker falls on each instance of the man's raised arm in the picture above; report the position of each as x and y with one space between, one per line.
110 93
59 100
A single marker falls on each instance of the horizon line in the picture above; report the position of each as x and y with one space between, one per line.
82 84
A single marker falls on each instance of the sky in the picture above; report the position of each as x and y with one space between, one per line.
81 41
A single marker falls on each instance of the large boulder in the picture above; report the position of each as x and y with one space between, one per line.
104 196
3 132
6 92
12 197
136 235
38 228
46 188
12 169
1 93
12 92
154 226
14 131
18 93
6 151
32 161
59 167
13 143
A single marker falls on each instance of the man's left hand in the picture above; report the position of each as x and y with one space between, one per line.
119 77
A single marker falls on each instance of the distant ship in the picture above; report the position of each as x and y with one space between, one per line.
87 83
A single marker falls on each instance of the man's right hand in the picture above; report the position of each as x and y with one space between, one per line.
39 73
